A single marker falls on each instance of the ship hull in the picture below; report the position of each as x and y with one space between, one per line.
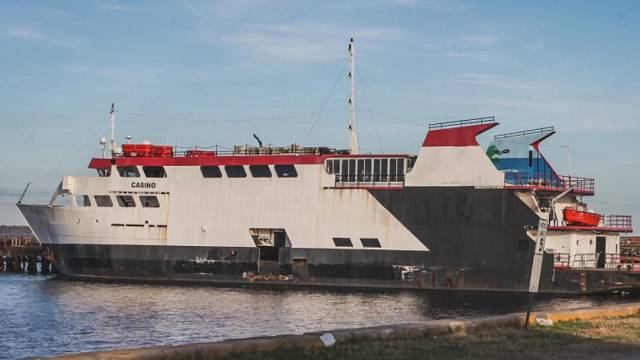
474 239
363 270
344 268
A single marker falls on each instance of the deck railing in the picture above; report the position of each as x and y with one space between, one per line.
524 133
618 221
461 123
373 180
576 261
580 184
238 150
585 261
549 181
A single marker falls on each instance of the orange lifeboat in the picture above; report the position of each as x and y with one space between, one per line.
163 150
580 218
137 149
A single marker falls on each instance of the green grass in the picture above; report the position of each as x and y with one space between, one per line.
596 339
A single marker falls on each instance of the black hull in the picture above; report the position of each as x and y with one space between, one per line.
176 265
476 239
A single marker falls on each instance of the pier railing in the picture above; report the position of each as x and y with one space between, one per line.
18 241
550 182
22 253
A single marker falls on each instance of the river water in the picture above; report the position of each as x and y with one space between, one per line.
45 316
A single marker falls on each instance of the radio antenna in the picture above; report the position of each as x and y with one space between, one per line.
353 133
112 145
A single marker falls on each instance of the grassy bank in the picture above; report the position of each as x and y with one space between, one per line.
612 338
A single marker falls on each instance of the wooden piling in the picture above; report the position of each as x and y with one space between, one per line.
20 254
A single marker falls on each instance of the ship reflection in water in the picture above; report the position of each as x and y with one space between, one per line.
43 316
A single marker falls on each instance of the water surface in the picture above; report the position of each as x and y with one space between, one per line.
45 316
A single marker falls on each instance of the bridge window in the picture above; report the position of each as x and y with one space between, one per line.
342 242
154 171
384 169
125 201
211 171
103 200
367 169
376 170
392 169
104 172
370 243
333 166
344 169
128 171
260 171
360 172
149 201
286 171
352 169
235 171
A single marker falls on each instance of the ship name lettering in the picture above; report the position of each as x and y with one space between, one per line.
143 185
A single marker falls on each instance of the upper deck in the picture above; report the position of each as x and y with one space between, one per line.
238 155
516 155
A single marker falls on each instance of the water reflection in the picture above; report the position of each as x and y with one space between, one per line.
44 316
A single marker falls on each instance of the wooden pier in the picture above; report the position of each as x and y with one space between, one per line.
22 253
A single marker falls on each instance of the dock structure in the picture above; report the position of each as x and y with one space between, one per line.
22 253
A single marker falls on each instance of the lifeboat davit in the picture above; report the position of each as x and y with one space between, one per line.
580 218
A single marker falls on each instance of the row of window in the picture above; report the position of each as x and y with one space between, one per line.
147 201
350 169
257 171
232 171
367 169
149 171
366 242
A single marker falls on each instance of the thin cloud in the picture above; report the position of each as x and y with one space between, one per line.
113 6
239 25
23 33
483 41
481 56
483 49
432 4
133 76
493 80
27 33
571 115
301 41
534 46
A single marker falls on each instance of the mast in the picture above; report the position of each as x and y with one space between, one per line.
353 134
112 144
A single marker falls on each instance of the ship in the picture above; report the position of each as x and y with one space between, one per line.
451 216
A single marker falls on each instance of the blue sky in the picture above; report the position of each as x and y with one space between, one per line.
207 73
